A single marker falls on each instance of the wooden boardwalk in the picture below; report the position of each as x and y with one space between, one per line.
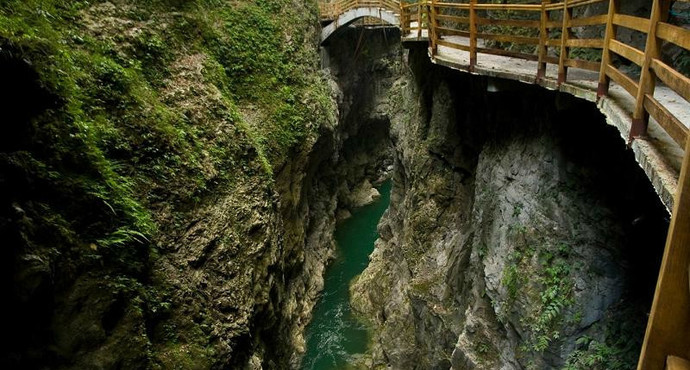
657 152
651 109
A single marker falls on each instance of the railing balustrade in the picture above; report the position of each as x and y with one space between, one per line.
538 23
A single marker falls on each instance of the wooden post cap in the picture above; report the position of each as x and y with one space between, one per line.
677 363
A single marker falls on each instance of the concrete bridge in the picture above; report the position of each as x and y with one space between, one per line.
338 14
350 16
650 110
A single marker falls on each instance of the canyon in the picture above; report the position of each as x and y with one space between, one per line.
170 197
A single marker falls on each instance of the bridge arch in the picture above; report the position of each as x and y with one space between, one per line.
354 14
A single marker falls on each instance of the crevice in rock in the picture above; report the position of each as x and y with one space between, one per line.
336 175
21 99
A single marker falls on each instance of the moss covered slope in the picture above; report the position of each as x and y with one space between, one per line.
124 123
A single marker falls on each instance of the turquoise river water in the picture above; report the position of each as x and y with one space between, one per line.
334 335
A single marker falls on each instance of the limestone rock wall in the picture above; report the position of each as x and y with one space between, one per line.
170 174
514 235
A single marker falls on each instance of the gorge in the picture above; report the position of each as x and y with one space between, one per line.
173 174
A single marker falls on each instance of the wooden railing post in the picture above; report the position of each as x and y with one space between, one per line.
404 9
543 40
473 35
565 35
423 14
433 27
611 30
660 10
669 322
419 19
403 21
428 16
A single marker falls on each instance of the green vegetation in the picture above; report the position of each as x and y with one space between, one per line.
556 294
596 355
485 350
513 280
538 274
590 54
119 125
618 350
109 109
548 267
511 30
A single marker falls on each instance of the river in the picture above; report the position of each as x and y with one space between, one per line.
334 335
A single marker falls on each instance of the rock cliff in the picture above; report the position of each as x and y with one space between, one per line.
170 173
521 234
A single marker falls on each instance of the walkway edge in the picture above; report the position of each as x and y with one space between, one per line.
662 176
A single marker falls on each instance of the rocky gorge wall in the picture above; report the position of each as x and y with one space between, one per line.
346 161
521 233
171 173
143 208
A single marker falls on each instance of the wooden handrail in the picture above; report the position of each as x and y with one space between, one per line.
542 48
433 21
473 34
420 13
441 22
427 15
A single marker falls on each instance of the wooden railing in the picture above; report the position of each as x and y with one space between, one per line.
657 31
537 22
414 18
331 10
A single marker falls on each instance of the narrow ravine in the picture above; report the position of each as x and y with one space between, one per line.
334 336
